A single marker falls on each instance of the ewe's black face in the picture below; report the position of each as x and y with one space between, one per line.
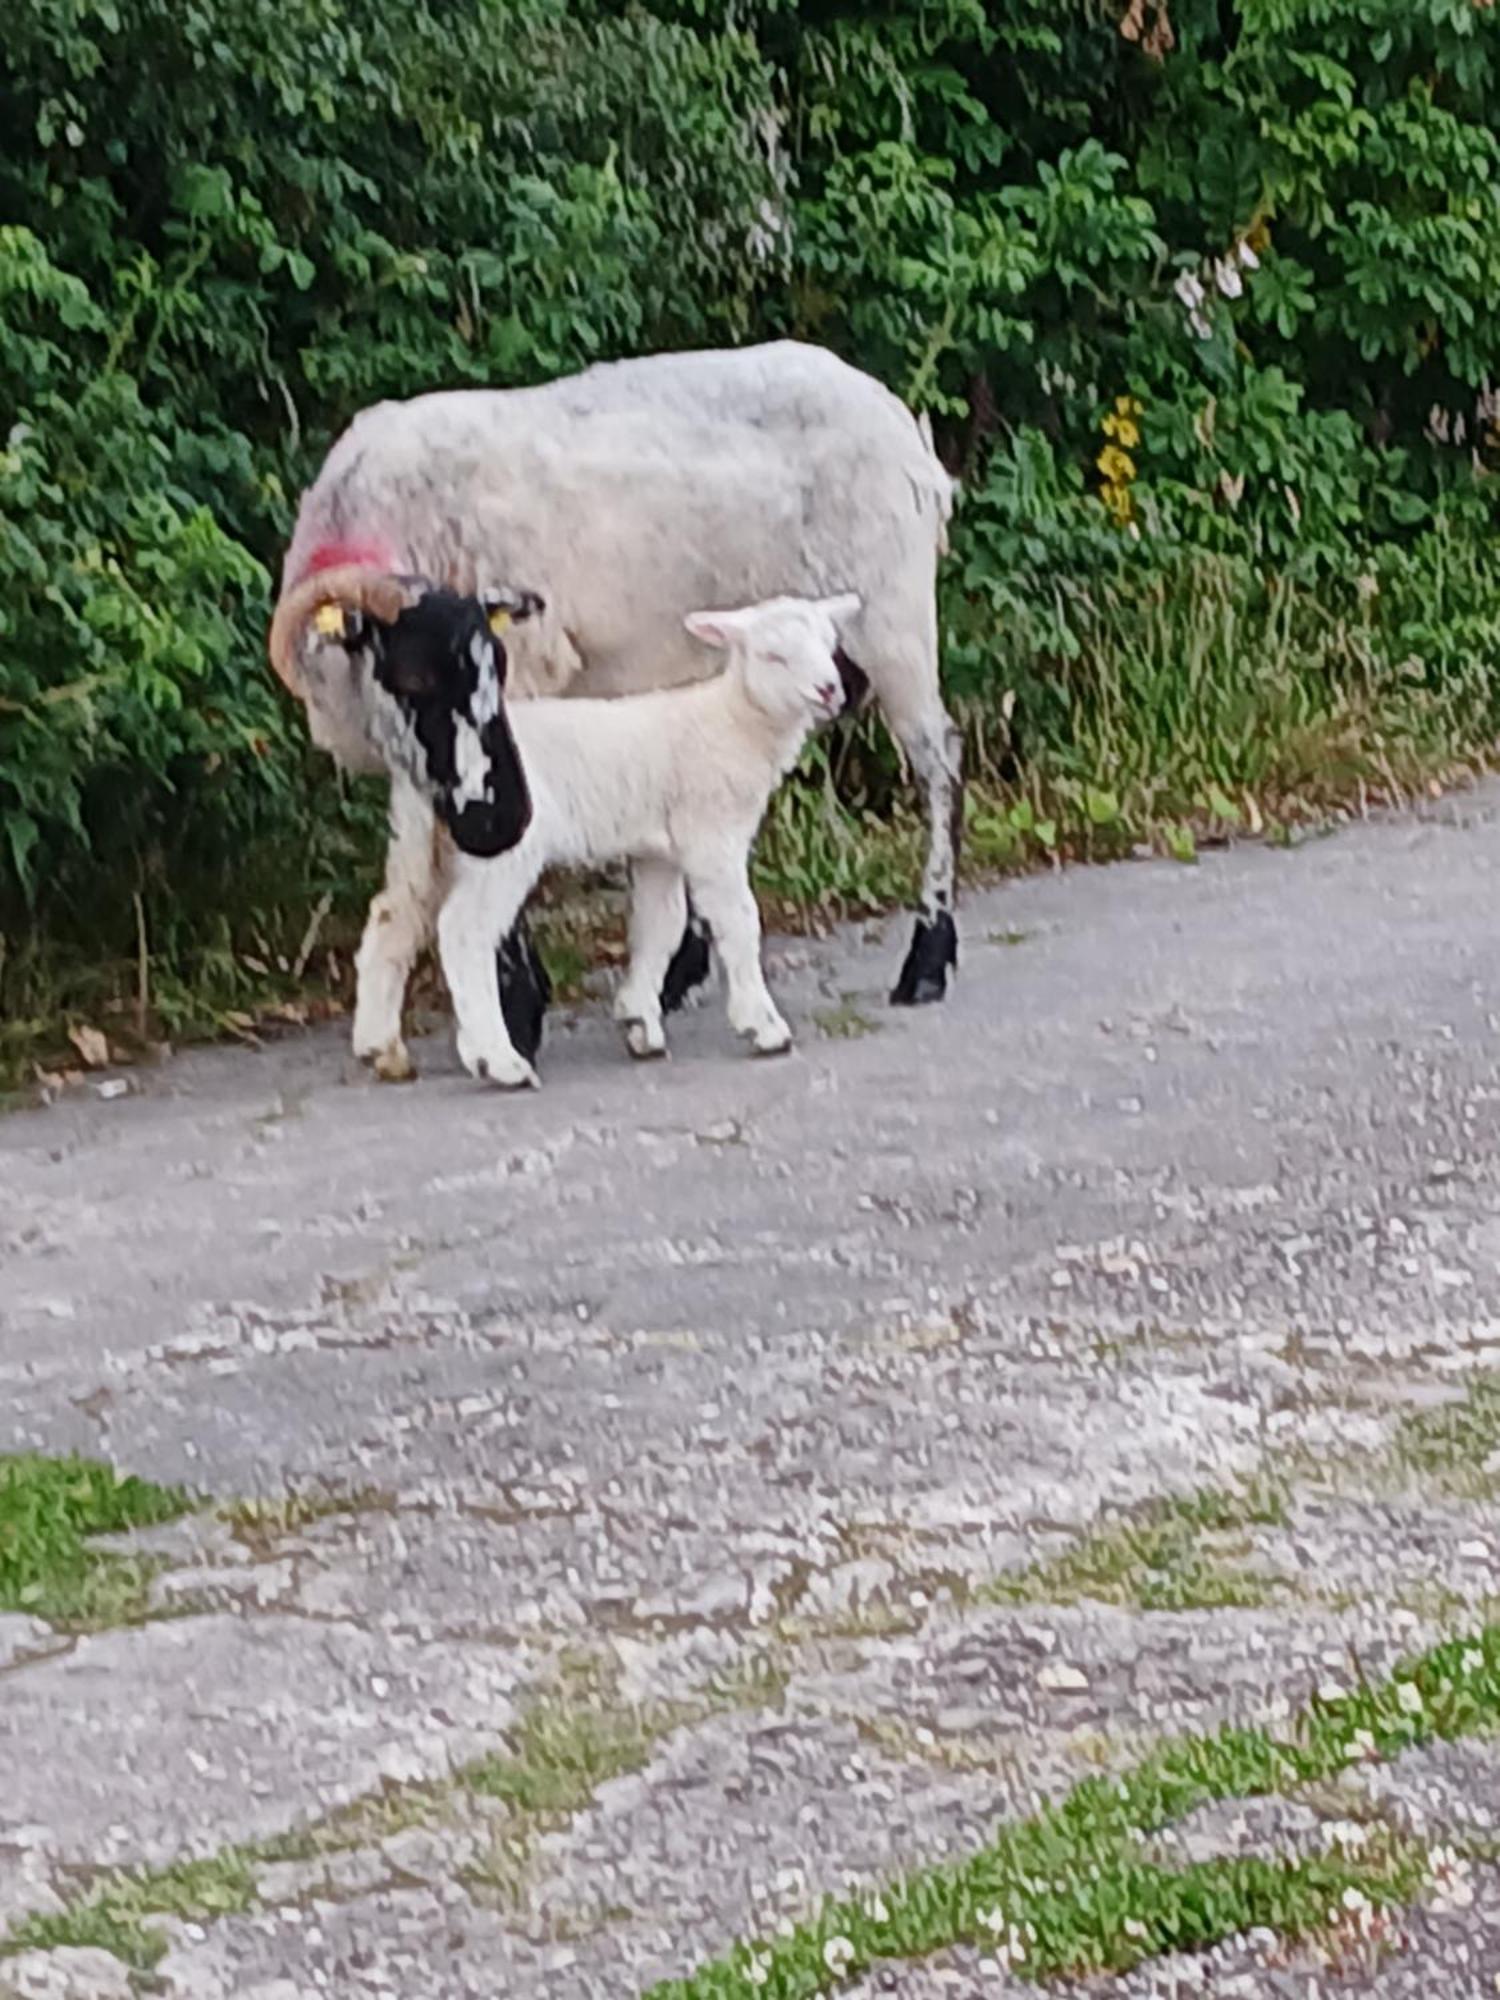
443 666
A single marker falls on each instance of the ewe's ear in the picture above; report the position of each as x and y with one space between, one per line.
841 609
715 628
504 608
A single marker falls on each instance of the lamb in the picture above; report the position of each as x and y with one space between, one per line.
676 782
627 495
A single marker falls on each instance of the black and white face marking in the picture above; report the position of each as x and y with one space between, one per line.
441 667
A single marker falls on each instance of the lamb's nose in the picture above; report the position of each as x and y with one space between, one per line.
831 694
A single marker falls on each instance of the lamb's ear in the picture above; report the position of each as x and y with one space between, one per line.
841 609
715 628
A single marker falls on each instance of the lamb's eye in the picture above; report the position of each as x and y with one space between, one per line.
776 659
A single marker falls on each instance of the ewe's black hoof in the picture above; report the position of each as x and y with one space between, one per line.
933 955
689 967
525 991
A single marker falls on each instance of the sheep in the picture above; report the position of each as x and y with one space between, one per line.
628 494
676 782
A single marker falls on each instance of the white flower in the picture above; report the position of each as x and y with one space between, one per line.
1409 1698
1471 1662
1227 278
838 1955
993 1920
1355 1900
876 1911
1199 325
1361 1745
1246 255
758 1971
1189 289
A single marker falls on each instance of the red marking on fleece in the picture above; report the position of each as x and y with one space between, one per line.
337 555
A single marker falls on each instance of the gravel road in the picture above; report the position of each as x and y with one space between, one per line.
762 1439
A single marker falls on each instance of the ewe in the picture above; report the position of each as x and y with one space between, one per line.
676 782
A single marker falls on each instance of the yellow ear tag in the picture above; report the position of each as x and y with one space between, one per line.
499 619
329 620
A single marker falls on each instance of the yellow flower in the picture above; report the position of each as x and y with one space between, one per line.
1123 430
1128 406
1117 466
1117 501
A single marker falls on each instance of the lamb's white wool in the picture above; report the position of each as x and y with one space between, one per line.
676 782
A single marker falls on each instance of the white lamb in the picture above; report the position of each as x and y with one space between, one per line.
675 781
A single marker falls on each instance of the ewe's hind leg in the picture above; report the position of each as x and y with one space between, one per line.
485 902
724 896
690 964
525 989
398 926
658 911
907 685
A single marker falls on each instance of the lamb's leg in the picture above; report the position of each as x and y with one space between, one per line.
724 896
658 910
398 926
486 899
914 711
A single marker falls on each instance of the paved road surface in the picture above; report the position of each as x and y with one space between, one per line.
716 1395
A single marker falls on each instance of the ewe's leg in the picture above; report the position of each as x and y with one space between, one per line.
485 902
689 967
724 896
926 732
525 989
658 911
399 925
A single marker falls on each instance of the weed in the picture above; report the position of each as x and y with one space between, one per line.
1072 1890
48 1509
1165 1555
1455 1446
844 1023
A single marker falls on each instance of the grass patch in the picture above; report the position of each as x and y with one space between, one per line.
116 1915
1169 1554
560 1750
48 1509
1072 1890
261 1523
1455 1446
558 1755
844 1023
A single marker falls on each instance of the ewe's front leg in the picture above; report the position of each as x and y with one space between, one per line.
398 926
724 896
658 913
482 907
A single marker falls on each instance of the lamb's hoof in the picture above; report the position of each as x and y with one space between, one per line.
506 1071
644 1043
933 954
393 1064
775 1041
